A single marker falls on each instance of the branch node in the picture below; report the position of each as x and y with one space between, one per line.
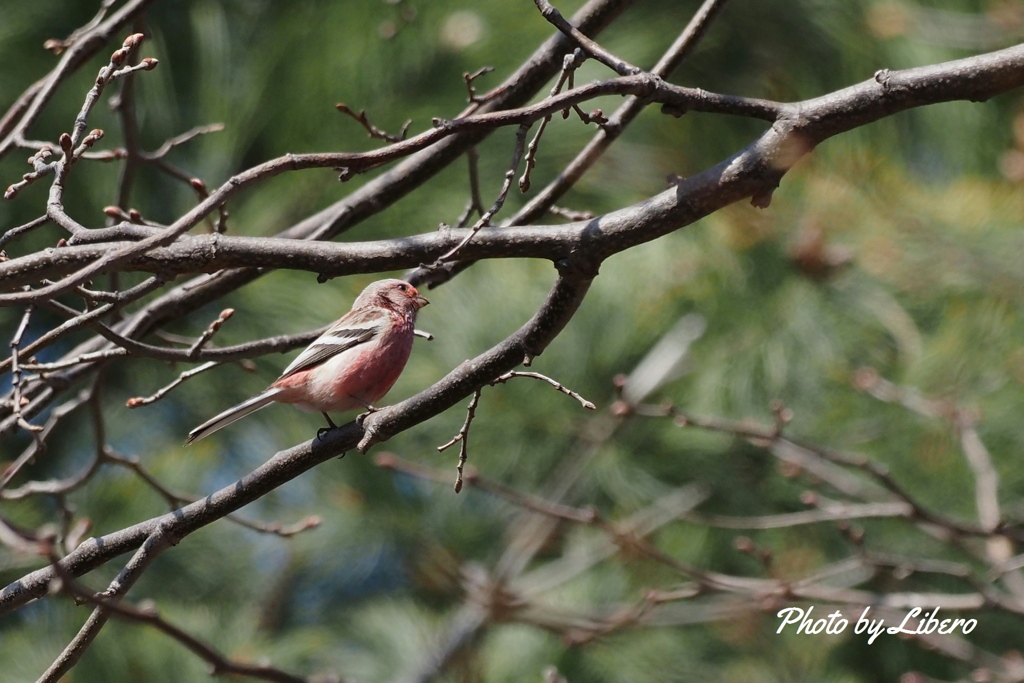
469 78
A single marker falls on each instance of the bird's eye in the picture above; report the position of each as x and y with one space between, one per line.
403 287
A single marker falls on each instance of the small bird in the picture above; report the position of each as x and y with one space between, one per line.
351 365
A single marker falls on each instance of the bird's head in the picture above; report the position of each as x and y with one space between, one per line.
396 295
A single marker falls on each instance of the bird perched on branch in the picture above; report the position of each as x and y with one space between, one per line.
351 365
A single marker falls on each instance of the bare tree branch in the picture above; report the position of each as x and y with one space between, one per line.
752 172
116 324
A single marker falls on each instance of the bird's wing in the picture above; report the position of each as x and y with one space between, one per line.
356 327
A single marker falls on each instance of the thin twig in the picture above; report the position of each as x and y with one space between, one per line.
570 214
986 479
462 438
15 232
531 155
17 399
138 401
475 203
571 62
372 130
829 513
616 64
208 333
544 378
124 104
180 139
472 97
221 226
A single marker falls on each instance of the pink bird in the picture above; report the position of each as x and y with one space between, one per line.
351 365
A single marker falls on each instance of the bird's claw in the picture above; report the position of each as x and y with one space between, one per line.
370 410
320 432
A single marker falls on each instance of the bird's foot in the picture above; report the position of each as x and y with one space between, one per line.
323 430
370 410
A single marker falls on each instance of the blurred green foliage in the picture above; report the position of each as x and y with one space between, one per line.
927 206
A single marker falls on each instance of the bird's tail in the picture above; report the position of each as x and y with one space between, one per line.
231 414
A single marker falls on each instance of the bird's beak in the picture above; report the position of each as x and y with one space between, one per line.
421 301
